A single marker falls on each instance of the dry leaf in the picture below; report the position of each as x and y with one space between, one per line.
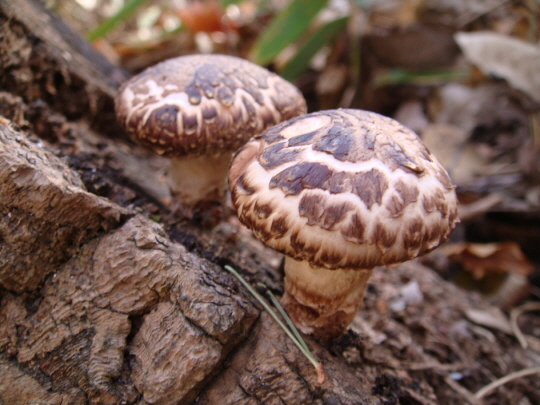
493 319
512 59
411 114
204 17
449 144
479 207
489 258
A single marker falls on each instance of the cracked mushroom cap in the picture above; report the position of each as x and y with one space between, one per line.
204 104
343 189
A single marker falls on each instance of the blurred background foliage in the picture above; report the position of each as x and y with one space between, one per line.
464 74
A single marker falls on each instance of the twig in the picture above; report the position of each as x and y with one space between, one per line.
514 315
464 392
512 376
291 331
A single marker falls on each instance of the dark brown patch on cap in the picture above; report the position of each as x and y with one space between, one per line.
430 201
165 118
263 234
442 207
209 113
190 123
302 139
297 244
337 144
276 155
414 235
296 178
339 182
283 103
330 258
397 158
262 211
434 234
247 188
251 111
318 212
267 118
334 214
302 248
273 134
408 192
405 194
383 237
311 206
225 96
370 186
355 231
279 227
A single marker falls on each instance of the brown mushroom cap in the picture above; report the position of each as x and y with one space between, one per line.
204 104
343 189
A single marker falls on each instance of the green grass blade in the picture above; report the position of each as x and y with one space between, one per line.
300 61
102 29
284 29
225 3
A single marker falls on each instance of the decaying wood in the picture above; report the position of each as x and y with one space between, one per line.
100 304
49 66
41 204
183 314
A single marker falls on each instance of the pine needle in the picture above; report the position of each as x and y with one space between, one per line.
289 329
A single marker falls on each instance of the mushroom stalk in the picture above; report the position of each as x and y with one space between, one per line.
202 178
322 301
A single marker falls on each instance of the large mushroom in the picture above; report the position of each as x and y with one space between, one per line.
198 110
340 192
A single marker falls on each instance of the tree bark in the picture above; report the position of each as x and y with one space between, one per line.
107 298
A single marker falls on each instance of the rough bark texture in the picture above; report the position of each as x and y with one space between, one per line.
51 67
117 323
99 304
41 204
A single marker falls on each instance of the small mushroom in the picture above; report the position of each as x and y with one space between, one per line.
198 110
340 192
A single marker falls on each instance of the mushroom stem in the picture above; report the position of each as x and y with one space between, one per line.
202 178
320 301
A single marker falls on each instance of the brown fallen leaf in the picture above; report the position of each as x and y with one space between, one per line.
493 318
512 59
482 259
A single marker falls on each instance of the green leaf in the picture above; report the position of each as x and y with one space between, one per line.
102 29
225 3
299 62
284 29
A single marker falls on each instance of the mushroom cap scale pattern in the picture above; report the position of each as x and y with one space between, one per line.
204 104
343 189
